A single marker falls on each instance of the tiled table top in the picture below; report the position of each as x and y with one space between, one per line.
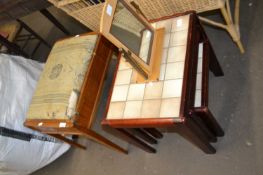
158 99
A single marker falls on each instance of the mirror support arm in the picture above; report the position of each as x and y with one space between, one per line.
129 58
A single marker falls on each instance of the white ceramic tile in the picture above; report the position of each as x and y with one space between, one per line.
123 77
199 65
197 98
151 109
132 109
120 93
199 81
176 54
200 50
153 90
136 92
167 24
116 110
170 107
178 38
172 88
166 40
174 70
180 23
162 71
164 55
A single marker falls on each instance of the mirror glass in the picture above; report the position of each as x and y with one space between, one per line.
131 32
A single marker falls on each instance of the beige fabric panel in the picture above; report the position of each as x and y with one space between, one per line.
62 78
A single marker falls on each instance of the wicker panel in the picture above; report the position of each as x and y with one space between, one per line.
158 8
84 11
89 16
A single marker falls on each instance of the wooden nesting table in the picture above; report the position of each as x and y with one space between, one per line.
178 101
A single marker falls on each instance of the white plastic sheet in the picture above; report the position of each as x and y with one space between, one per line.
18 79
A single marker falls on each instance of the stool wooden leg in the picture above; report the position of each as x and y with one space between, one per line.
102 140
143 135
154 132
192 133
64 139
135 141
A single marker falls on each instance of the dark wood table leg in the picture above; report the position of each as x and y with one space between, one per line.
52 19
154 132
190 131
210 135
135 141
213 62
210 121
143 135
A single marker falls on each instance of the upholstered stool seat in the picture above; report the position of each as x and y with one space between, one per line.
60 83
68 92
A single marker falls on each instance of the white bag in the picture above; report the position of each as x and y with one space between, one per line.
18 79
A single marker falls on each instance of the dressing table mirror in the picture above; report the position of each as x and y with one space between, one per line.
138 40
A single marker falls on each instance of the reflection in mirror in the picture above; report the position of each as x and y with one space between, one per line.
131 32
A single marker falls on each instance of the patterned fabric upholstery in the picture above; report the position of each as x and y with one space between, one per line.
60 82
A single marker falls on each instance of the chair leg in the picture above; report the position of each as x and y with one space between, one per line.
102 140
192 133
231 27
135 141
64 139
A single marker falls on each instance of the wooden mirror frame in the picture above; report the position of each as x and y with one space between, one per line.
152 70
